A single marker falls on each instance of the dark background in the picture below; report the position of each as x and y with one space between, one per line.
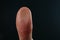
45 14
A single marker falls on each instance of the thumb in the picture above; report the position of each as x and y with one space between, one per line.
24 23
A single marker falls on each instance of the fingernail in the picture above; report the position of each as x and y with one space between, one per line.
24 23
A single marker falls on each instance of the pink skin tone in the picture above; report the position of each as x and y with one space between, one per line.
24 23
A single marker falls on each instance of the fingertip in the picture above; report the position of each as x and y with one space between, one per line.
24 23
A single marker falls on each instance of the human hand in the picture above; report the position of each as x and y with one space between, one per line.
24 24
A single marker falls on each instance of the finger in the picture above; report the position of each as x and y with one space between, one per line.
24 23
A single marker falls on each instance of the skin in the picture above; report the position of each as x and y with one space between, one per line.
24 23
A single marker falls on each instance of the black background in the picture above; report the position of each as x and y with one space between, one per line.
45 14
